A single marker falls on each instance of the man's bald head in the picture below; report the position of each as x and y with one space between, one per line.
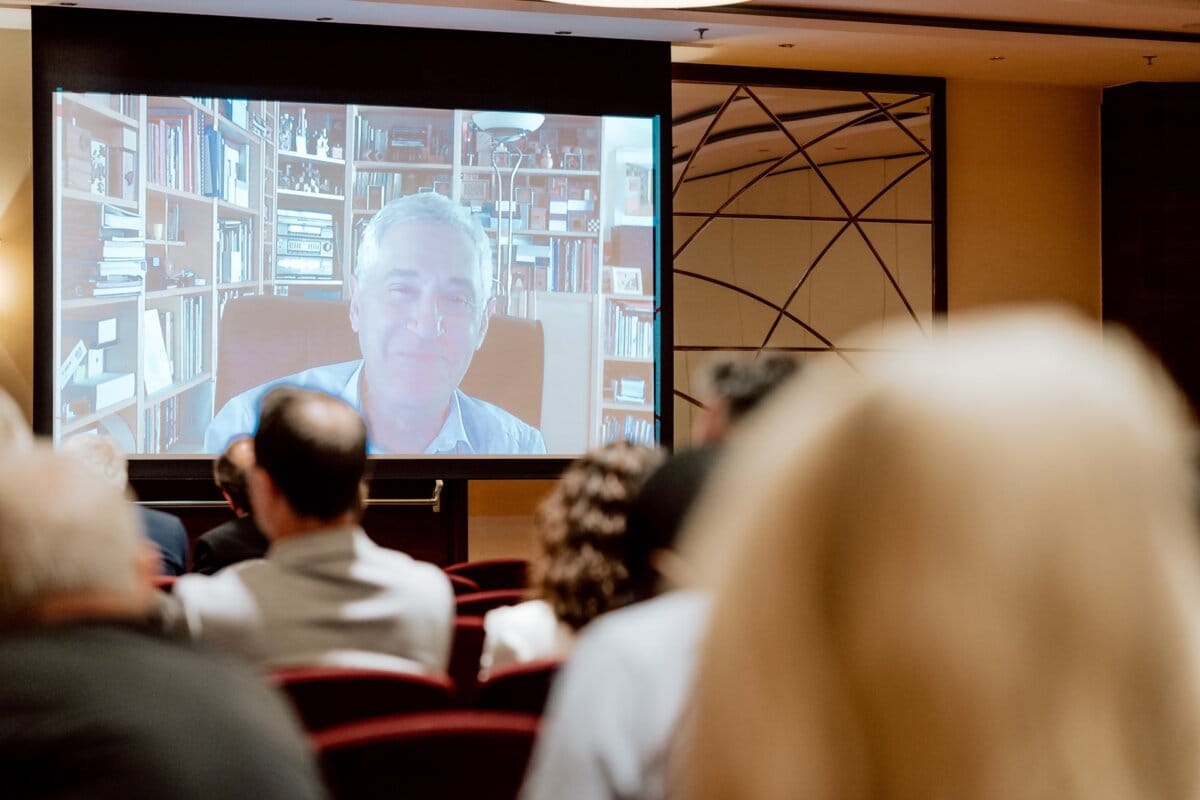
314 448
231 471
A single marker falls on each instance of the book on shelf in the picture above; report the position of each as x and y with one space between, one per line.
171 144
233 251
161 426
631 428
629 329
191 337
154 353
108 286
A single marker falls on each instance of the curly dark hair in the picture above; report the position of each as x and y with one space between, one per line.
581 569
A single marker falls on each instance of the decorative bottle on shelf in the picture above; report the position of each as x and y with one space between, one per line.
545 158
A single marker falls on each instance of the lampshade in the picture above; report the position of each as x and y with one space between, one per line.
506 126
649 3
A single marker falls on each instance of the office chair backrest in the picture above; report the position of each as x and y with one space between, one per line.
263 337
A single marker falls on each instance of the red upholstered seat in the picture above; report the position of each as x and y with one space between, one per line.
464 657
165 583
327 696
480 755
520 687
463 585
494 573
479 603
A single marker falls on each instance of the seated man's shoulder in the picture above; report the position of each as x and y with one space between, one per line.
497 431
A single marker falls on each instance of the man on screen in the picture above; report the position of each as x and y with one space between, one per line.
420 301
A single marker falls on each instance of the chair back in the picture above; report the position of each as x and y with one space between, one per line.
479 603
264 337
519 687
494 573
465 653
463 585
327 696
453 754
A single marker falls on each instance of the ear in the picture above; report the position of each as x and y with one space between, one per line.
488 311
354 311
147 565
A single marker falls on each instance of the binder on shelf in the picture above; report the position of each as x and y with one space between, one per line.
66 370
102 391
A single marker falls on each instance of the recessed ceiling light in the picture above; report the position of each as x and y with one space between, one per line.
787 45
997 58
562 33
324 19
649 3
840 147
68 4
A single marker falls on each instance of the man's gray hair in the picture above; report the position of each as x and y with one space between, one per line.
101 453
63 529
428 207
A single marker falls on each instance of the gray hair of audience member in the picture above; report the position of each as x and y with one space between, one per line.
428 207
230 475
102 453
968 570
740 384
15 435
63 529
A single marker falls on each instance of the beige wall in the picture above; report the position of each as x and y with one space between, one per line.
16 217
1023 192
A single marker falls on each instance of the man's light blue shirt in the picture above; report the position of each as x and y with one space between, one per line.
473 426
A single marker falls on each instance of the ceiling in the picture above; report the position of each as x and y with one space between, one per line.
956 39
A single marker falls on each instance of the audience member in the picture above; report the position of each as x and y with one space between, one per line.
966 571
238 539
581 569
614 708
92 704
325 593
733 387
105 456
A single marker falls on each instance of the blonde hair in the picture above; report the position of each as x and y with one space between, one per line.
966 572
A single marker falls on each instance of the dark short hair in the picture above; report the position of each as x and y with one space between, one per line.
231 479
659 510
316 464
742 385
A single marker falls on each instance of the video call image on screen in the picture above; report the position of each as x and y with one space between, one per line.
474 282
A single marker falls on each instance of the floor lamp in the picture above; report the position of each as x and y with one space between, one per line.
506 128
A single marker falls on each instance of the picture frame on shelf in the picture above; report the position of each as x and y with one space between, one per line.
627 281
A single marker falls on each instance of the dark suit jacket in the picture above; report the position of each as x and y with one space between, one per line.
228 543
167 531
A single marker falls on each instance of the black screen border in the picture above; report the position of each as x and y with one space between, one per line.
124 52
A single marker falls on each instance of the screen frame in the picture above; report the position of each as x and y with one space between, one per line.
124 52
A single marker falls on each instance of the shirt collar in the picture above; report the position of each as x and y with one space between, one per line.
452 438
